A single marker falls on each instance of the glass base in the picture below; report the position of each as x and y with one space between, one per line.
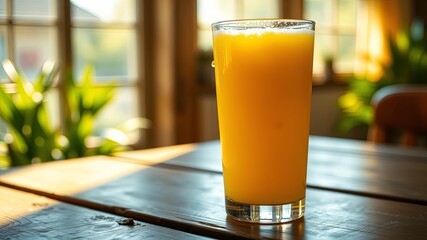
265 214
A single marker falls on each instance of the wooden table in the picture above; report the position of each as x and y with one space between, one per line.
355 190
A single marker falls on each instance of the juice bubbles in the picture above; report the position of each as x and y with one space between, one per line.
263 84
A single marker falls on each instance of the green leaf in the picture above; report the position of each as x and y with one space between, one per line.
24 91
73 99
133 124
87 97
31 131
408 65
9 112
43 118
85 126
18 144
103 96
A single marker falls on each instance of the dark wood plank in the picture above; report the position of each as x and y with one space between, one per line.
377 174
207 155
363 147
334 164
202 156
193 201
364 168
28 216
197 198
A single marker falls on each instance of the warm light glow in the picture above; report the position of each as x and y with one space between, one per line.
374 71
48 67
13 75
135 123
70 177
116 136
10 69
350 102
60 177
105 9
375 50
375 40
37 97
371 41
212 11
16 204
158 155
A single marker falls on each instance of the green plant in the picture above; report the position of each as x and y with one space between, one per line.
408 66
31 138
83 104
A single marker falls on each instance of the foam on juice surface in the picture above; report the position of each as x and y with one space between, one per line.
255 27
261 31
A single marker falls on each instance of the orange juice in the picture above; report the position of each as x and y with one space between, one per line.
263 83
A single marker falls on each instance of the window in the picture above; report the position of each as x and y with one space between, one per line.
209 11
106 38
335 33
28 33
34 31
335 26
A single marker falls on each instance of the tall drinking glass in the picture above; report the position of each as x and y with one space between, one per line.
263 71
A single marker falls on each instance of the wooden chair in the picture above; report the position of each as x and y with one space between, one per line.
399 108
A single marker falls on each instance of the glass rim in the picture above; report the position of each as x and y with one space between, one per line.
252 23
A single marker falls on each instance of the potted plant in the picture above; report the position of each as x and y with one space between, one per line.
31 137
408 65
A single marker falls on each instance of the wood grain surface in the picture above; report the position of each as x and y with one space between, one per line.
183 196
380 171
28 216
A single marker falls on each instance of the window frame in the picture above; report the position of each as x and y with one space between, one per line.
64 58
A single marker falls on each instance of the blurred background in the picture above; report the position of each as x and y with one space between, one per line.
159 52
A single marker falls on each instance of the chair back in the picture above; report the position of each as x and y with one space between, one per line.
401 108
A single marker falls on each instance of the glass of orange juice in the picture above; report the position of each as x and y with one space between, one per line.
263 74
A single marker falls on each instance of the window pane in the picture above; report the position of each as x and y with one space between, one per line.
204 38
123 107
346 54
209 11
260 9
3 51
2 9
347 10
324 48
335 32
321 11
33 47
111 52
104 10
34 9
